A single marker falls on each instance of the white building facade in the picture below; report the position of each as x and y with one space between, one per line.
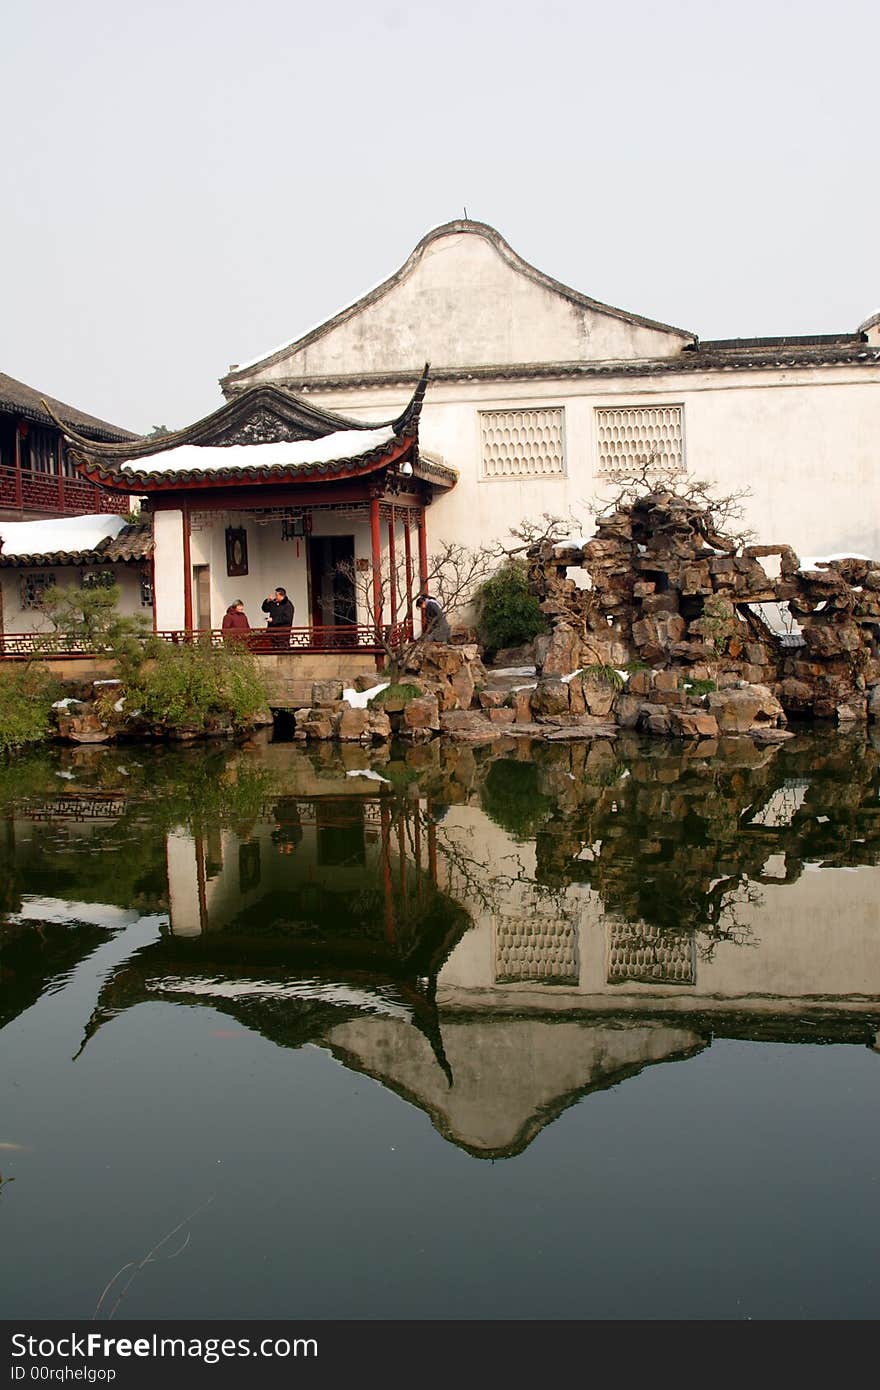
541 397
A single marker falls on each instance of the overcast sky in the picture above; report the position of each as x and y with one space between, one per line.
190 184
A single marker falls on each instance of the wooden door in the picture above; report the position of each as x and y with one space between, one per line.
202 586
331 572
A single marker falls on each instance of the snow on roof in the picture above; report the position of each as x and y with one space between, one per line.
198 458
62 534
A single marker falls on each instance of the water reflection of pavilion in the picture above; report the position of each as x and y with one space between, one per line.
493 968
324 911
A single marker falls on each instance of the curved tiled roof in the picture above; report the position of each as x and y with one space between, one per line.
34 405
56 542
180 460
307 421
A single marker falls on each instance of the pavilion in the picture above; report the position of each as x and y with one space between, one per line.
271 491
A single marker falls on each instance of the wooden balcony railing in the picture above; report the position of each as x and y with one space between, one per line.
23 646
27 490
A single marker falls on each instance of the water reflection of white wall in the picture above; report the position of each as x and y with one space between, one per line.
818 936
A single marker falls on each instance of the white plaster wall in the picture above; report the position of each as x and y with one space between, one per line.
806 441
18 619
271 561
464 303
168 568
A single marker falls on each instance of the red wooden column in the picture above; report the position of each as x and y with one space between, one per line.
432 843
19 498
407 550
187 572
59 463
376 544
153 591
392 565
423 560
387 881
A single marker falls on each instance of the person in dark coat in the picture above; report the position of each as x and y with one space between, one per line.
235 622
280 611
436 621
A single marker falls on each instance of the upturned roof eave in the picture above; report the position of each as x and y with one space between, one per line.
195 433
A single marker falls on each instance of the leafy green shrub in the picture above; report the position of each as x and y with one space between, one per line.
198 685
88 617
26 696
608 675
698 687
508 613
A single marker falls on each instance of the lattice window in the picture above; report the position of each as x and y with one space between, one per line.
98 579
523 443
649 955
540 949
33 589
638 439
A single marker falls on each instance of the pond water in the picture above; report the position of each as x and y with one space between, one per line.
281 1040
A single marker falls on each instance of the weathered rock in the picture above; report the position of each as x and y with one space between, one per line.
491 699
461 719
462 686
739 709
627 711
317 725
557 653
653 634
688 723
549 697
599 696
654 719
874 703
502 716
326 694
796 696
853 712
378 724
85 727
421 713
353 724
522 706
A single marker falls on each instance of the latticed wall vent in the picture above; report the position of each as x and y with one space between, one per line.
639 439
646 954
523 443
541 949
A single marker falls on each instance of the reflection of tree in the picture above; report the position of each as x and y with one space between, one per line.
510 796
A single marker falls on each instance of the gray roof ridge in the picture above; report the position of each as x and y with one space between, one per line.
379 291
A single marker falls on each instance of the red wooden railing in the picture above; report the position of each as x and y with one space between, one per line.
29 490
21 646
